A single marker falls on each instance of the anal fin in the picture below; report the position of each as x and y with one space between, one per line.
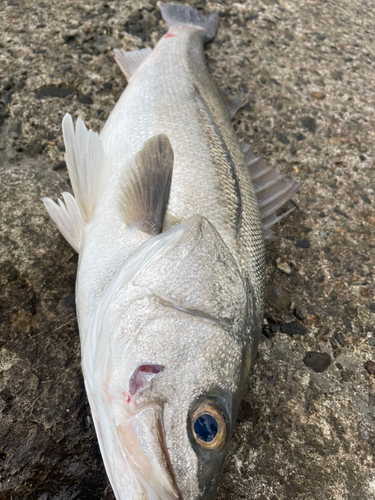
85 161
67 217
145 192
271 188
129 62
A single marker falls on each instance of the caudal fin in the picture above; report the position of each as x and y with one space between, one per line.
175 15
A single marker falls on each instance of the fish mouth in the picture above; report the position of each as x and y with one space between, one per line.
144 449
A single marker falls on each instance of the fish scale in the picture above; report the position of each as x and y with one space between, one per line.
202 142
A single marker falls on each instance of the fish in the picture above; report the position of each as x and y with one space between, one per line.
169 217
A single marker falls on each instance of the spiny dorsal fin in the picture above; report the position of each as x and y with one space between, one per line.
85 161
145 193
272 189
129 62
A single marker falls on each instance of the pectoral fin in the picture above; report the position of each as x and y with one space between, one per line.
145 192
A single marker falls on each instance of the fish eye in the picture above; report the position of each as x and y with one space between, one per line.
208 426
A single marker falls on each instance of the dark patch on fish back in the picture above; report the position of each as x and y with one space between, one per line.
213 137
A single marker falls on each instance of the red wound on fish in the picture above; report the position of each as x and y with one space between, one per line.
168 35
142 376
126 396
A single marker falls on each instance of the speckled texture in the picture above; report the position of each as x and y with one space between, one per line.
306 69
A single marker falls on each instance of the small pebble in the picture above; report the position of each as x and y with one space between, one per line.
318 361
60 165
300 314
85 99
282 138
370 367
303 244
339 339
283 266
308 123
318 95
365 198
55 92
293 329
334 343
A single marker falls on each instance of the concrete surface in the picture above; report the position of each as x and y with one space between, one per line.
306 68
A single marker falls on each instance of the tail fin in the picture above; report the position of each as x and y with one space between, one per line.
182 14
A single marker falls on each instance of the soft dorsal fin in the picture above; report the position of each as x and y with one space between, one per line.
129 62
145 192
272 189
85 161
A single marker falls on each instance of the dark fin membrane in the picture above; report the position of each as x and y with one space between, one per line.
145 193
272 189
232 104
129 62
182 14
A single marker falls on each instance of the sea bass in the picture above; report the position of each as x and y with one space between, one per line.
169 216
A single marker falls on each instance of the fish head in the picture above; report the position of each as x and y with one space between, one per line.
166 363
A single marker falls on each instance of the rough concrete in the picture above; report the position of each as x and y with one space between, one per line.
306 69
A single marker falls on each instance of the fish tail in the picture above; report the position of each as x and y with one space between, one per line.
182 14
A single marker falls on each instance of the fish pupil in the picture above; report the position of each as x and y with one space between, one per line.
205 427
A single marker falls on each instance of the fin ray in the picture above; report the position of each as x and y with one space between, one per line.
67 217
85 161
183 14
145 193
232 104
271 189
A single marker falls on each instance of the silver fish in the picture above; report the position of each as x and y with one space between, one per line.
168 216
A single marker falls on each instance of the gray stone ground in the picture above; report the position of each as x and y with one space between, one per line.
306 68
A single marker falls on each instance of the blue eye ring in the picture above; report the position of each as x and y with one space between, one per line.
208 426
